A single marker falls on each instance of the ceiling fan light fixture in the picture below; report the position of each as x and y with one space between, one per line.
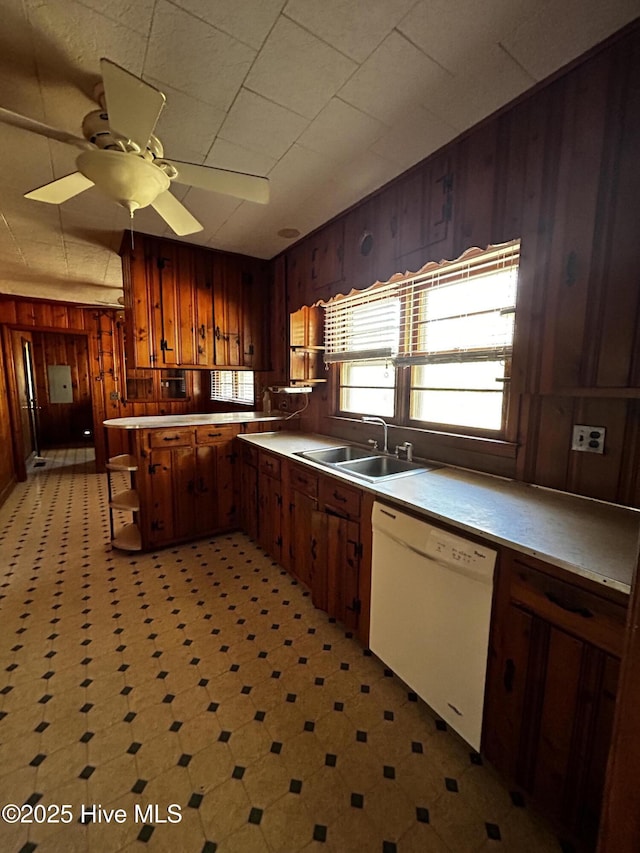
130 180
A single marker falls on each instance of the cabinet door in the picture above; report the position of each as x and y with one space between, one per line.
175 266
183 460
257 314
226 486
203 305
269 523
249 499
227 312
159 520
335 564
206 491
142 305
301 511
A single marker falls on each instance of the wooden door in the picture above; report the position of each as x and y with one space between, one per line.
159 520
177 291
249 498
301 511
226 486
206 491
227 312
25 383
270 521
203 307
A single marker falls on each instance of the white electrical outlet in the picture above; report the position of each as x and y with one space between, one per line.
589 439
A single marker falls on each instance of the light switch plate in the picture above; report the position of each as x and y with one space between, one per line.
588 439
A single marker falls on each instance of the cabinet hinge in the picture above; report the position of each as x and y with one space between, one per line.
152 467
356 605
279 541
358 549
157 525
161 263
164 346
279 500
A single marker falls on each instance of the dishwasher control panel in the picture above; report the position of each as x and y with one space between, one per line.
453 550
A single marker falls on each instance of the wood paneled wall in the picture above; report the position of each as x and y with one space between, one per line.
559 169
7 467
62 423
103 334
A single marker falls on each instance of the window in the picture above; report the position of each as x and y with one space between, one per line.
439 342
232 386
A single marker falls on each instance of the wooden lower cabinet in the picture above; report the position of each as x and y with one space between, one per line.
553 670
310 524
189 487
270 503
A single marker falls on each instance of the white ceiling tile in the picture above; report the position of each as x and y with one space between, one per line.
211 209
416 132
249 21
490 80
547 38
451 33
260 125
365 173
394 77
135 14
296 175
187 126
229 155
196 58
297 70
354 27
25 158
71 38
340 130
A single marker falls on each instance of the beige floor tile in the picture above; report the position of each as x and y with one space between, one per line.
211 618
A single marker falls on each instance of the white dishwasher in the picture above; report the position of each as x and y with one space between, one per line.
431 597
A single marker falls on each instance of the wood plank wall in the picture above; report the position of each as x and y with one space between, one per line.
62 423
101 328
559 169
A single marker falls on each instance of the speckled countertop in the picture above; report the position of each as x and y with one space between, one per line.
170 421
595 539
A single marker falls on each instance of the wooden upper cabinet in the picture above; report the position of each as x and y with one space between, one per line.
191 307
327 256
423 215
306 346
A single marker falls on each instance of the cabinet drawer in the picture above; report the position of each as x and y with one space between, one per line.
593 619
213 434
170 437
304 481
269 465
341 498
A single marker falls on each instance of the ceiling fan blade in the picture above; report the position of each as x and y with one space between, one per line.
64 188
175 214
238 184
26 123
133 106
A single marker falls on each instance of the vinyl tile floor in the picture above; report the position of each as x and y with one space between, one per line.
193 700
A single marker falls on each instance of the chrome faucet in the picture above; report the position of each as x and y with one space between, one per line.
376 420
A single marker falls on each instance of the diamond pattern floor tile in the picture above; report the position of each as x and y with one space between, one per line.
203 676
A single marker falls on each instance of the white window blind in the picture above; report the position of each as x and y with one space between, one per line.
460 311
457 310
363 325
232 386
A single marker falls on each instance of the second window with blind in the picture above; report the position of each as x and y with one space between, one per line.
430 350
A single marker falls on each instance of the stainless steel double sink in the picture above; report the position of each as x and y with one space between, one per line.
363 463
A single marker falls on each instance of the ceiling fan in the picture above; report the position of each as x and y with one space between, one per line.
121 156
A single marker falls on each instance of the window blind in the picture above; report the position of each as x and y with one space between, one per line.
232 386
362 326
458 310
462 310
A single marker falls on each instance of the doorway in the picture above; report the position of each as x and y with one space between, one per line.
25 382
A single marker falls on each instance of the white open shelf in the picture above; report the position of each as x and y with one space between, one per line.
124 462
127 538
127 501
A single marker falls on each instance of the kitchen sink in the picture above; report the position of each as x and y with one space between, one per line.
362 463
331 455
381 467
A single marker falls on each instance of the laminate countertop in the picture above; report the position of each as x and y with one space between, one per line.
592 538
170 421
